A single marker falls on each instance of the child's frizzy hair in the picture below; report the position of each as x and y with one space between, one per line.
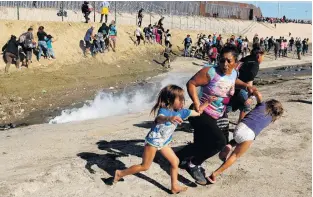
167 96
274 108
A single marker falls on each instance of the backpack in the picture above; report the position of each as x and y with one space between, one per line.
90 8
22 38
26 43
187 40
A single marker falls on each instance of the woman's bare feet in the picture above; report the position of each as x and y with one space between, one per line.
117 176
177 189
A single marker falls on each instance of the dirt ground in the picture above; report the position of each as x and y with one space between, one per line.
78 159
31 91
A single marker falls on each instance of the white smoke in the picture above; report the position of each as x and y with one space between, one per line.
109 104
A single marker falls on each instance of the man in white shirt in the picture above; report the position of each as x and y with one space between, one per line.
105 6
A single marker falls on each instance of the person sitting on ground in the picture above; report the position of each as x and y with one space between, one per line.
27 41
248 69
11 53
113 35
86 10
49 39
89 36
170 110
187 43
247 130
140 17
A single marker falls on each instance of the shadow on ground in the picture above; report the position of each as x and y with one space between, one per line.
123 148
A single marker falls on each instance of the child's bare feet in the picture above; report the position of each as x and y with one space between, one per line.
177 189
117 176
211 179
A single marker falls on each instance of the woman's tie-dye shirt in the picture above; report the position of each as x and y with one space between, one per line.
221 86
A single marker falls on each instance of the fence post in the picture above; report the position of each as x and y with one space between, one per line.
115 11
94 12
18 10
62 9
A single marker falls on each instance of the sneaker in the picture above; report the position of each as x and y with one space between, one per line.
183 164
197 174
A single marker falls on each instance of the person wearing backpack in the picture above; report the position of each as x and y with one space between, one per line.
26 40
10 51
86 10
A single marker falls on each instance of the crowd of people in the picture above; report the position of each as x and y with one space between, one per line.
19 50
281 20
226 86
101 40
209 47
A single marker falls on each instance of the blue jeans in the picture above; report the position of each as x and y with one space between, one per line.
42 48
51 52
186 49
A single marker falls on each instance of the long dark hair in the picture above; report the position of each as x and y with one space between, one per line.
167 96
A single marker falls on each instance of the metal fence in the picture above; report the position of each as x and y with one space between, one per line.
178 15
158 7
